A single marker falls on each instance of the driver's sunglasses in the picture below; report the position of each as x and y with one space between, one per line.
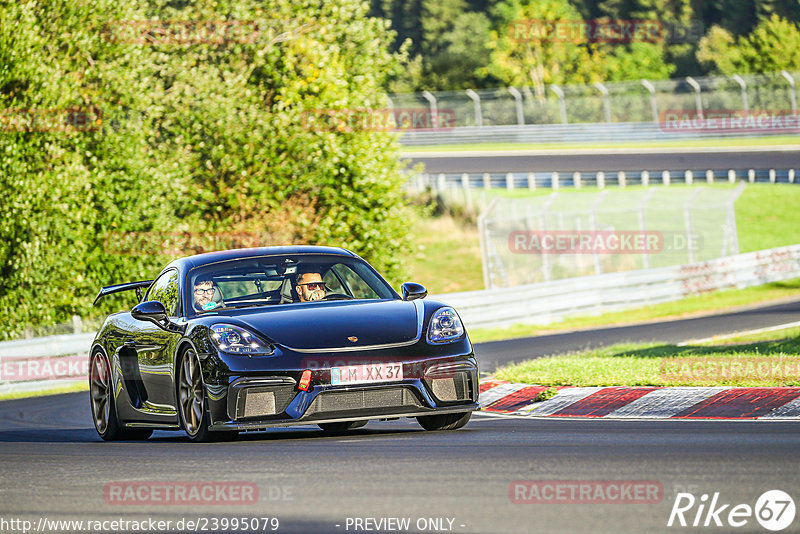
204 291
314 286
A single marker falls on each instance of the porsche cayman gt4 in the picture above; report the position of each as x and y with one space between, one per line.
247 339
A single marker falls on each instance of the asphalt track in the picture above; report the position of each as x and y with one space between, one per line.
53 465
568 162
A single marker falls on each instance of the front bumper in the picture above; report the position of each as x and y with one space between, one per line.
257 402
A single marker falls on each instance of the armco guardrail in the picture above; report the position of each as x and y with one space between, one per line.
546 302
444 182
572 133
42 363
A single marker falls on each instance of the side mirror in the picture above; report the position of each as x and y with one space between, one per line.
412 291
152 311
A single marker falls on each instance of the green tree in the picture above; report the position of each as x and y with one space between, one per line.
525 52
446 42
214 136
772 46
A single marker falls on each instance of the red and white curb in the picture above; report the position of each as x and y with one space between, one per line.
617 402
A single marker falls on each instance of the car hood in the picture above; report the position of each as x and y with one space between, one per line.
329 325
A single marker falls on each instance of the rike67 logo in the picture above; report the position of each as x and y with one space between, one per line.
774 510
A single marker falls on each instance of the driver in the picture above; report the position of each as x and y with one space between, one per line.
310 286
203 293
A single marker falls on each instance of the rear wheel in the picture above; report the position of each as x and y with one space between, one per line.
445 421
341 426
192 401
104 411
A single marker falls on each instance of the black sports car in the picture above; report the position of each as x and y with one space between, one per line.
247 339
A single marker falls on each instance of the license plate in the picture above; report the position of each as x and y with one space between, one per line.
371 372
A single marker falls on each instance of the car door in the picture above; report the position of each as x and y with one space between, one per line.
155 348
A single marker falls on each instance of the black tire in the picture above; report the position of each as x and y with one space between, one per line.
341 426
445 421
192 402
103 406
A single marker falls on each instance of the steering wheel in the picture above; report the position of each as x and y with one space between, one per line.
337 296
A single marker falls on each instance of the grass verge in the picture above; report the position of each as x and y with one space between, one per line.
40 393
747 361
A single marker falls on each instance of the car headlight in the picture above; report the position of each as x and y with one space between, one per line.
236 340
445 326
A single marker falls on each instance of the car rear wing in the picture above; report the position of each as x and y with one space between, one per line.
138 286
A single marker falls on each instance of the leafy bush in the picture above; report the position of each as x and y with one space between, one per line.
170 134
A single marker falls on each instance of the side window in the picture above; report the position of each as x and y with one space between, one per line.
333 283
356 284
165 290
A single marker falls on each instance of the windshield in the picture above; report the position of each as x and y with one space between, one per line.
280 280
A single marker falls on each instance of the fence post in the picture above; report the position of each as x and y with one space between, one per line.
665 177
601 179
731 176
434 110
518 99
546 267
554 179
689 177
772 176
531 180
576 177
698 99
745 105
710 176
606 103
791 176
751 176
441 183
476 101
487 180
621 179
77 324
643 223
646 178
792 91
653 103
561 103
687 214
598 267
467 193
510 181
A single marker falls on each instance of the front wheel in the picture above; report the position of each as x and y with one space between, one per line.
192 402
445 421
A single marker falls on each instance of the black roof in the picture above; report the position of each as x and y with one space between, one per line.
190 262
